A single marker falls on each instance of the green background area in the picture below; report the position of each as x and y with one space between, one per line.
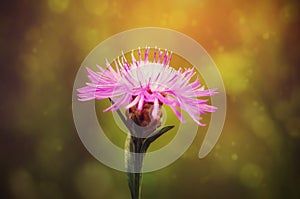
255 46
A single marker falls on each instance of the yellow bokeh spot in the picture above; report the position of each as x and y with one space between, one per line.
49 154
289 13
234 69
86 38
92 181
221 49
58 6
266 35
293 126
22 184
242 21
194 22
96 7
32 64
234 156
177 19
251 175
233 143
262 125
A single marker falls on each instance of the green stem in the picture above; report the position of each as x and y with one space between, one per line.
134 162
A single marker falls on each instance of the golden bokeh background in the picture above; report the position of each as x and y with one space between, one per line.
255 46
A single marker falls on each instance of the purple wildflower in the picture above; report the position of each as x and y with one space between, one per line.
144 81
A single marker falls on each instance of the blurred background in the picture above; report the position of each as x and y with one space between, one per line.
255 45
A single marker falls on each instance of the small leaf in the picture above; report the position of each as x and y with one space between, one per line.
153 137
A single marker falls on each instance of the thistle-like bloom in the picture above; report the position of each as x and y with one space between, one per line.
143 82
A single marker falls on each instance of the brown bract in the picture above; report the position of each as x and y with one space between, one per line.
143 118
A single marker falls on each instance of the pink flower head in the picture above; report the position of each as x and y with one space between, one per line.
144 81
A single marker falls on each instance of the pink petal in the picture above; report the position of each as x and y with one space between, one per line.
133 103
141 103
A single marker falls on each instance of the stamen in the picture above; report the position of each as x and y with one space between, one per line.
126 62
159 56
165 57
119 62
117 67
170 57
133 58
154 56
147 54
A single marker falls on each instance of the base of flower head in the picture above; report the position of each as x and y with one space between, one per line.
142 120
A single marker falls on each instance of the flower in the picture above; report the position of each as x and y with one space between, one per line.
148 81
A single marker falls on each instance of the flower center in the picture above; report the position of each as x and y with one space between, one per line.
144 117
